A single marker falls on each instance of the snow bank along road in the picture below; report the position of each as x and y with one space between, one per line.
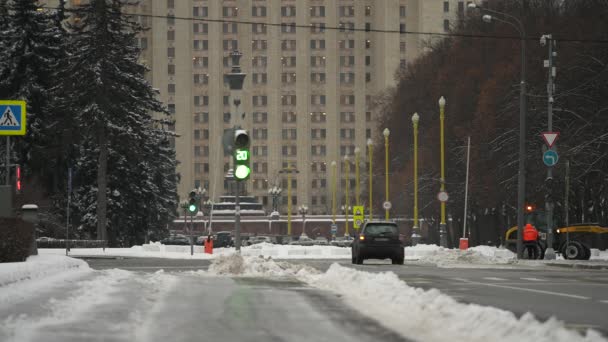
254 299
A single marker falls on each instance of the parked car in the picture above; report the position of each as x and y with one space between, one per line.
44 239
320 241
342 241
260 239
378 240
177 239
303 241
223 239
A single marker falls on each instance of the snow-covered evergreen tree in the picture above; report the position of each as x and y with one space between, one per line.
31 51
126 180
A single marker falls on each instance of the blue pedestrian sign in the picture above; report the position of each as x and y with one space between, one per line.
12 117
550 158
334 229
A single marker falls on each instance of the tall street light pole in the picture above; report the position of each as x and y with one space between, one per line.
347 199
443 238
357 185
289 170
386 133
521 179
369 159
416 228
333 191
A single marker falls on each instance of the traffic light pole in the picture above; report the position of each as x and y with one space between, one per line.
237 217
549 205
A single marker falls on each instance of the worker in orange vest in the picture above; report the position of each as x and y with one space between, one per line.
531 241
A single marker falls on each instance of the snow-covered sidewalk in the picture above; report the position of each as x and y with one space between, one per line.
412 312
39 267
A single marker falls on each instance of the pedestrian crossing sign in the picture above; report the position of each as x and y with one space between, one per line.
12 117
358 216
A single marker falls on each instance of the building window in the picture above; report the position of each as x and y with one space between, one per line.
227 117
171 52
401 28
288 11
446 25
288 27
446 6
260 117
170 19
171 88
258 11
260 78
368 60
230 11
171 35
368 11
259 28
317 11
368 27
171 69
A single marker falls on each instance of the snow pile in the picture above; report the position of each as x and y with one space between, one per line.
412 312
37 267
236 265
440 256
157 250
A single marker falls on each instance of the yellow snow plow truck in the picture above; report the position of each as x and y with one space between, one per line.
573 241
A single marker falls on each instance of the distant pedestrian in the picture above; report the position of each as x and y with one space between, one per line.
531 242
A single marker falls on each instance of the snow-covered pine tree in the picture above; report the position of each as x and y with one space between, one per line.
31 51
118 193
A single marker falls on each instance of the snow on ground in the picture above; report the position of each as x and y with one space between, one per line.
413 312
39 267
157 250
445 257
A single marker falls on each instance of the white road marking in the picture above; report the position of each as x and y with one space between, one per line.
495 278
533 279
529 290
604 301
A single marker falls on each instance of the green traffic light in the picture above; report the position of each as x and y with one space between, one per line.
192 208
242 172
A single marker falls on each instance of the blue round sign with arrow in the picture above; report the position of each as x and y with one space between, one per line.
550 158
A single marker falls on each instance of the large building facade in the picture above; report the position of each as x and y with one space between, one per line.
313 68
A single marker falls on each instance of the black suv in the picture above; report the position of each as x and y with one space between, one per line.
378 240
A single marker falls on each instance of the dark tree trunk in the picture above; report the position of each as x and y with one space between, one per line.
102 179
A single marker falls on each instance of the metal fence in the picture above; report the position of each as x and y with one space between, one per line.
62 243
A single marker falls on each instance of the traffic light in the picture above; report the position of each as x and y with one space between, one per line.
241 155
18 179
192 202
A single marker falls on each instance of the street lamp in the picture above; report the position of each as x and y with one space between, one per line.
386 133
347 199
357 185
415 233
521 179
443 238
275 191
289 170
333 191
303 210
370 147
346 209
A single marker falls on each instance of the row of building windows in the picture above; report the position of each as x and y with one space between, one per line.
287 117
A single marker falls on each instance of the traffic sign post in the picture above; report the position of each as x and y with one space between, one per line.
358 213
334 229
550 138
442 196
387 205
550 158
12 117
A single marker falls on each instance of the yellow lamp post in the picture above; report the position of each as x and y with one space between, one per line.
333 191
369 159
443 238
415 230
347 200
386 133
289 170
357 185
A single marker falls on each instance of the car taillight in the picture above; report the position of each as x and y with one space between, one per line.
361 237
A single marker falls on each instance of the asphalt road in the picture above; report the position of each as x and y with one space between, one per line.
577 296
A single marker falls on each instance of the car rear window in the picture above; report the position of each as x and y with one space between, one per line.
377 229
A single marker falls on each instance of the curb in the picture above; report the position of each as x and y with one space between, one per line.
579 266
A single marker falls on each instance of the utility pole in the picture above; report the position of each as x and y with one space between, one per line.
549 205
